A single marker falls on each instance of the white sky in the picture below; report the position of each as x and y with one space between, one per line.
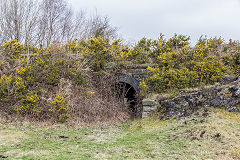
148 18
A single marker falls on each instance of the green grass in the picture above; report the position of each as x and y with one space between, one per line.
197 137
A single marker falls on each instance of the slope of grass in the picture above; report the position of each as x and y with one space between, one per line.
212 135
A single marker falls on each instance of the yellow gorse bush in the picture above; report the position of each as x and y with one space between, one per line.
26 68
2 63
201 51
59 108
19 84
210 70
98 51
144 88
21 71
168 59
5 86
29 104
186 67
13 49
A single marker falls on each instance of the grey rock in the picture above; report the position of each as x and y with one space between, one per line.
236 93
234 88
145 114
227 79
148 109
148 102
161 98
233 109
218 101
238 79
231 102
223 91
168 104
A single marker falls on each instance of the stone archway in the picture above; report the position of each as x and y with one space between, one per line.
128 91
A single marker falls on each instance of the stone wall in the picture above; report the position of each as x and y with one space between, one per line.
225 95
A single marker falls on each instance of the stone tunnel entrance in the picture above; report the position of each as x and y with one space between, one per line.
128 92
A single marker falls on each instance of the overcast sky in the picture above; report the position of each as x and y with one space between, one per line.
148 18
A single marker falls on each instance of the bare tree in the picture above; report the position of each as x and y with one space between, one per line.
56 20
31 20
18 19
100 26
79 27
42 21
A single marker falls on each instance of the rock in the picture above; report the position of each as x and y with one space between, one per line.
148 102
232 109
238 79
145 114
217 135
227 79
230 102
202 133
64 137
148 108
234 88
224 91
168 104
216 102
220 101
2 157
236 93
161 98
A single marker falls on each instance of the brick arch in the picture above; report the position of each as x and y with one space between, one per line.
129 80
129 90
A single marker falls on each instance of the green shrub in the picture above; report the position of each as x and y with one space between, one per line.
141 51
51 74
163 45
234 62
168 59
5 86
29 105
201 51
97 51
59 108
177 65
169 74
167 78
79 79
28 74
13 49
178 41
19 85
210 69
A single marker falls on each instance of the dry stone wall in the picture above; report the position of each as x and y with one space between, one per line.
225 95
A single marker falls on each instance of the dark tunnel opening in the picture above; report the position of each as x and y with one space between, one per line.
131 99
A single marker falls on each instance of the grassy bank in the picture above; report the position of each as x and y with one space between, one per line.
211 135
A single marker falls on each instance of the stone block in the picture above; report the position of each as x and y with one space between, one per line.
145 114
148 102
148 108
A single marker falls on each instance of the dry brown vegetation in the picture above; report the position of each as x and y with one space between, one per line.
54 84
